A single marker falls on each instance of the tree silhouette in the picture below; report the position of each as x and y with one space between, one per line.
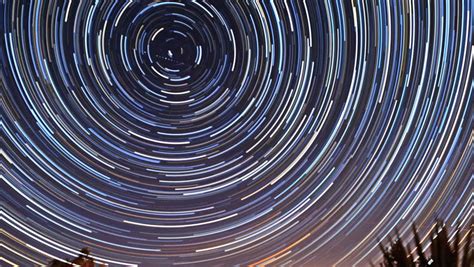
442 254
83 260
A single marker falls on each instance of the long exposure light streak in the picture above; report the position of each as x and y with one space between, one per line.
202 133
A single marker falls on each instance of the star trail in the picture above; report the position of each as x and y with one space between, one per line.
203 133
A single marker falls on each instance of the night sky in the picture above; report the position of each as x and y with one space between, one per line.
204 133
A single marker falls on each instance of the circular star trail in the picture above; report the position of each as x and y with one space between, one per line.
208 133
